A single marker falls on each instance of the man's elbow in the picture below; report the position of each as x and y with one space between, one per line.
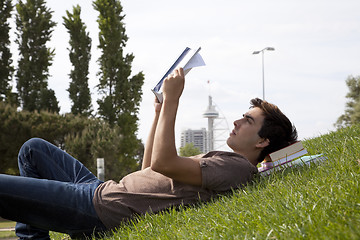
161 166
157 167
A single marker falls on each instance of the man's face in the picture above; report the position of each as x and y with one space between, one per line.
244 136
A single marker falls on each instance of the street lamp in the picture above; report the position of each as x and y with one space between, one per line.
262 51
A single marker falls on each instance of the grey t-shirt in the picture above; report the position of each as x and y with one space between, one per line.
148 191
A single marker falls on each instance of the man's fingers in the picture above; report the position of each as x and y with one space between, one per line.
179 72
176 72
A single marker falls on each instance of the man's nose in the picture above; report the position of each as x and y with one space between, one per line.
237 122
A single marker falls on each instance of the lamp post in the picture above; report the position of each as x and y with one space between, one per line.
263 76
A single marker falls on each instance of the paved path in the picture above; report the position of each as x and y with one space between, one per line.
7 229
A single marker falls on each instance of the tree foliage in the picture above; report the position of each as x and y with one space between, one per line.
352 109
121 92
80 46
189 150
34 27
99 140
18 126
6 69
84 138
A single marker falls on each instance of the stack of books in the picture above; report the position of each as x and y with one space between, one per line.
289 156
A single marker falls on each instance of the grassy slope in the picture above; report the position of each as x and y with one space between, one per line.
317 202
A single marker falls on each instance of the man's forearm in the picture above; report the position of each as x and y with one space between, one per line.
150 143
164 150
165 159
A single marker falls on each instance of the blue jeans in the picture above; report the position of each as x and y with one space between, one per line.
54 192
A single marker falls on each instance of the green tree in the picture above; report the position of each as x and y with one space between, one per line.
6 69
80 46
121 92
34 27
83 137
352 108
189 150
18 126
99 140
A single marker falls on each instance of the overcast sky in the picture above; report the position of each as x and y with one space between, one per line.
317 46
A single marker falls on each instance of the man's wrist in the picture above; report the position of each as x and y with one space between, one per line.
171 101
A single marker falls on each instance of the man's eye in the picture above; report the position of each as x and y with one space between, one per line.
249 119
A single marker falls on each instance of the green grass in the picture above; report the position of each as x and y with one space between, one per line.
7 224
317 202
7 234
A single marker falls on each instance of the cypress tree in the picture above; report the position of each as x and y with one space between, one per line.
121 92
80 46
34 27
6 69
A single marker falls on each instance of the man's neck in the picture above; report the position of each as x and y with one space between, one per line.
251 157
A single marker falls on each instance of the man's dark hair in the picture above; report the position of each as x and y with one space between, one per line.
276 127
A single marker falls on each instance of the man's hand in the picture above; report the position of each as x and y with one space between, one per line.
157 106
173 85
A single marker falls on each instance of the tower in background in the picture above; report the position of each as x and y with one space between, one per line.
214 138
211 114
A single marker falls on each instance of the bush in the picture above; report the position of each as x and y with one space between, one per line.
84 138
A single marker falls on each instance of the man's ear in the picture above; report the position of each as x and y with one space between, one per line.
263 142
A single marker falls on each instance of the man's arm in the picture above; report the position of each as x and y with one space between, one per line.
150 140
164 155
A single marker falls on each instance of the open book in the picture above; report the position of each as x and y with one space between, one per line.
188 59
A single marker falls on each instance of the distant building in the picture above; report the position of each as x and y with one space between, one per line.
197 137
211 139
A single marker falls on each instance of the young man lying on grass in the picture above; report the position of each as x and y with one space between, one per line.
56 192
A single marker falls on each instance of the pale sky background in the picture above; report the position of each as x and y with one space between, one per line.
317 46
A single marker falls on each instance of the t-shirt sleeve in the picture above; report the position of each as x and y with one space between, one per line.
222 172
